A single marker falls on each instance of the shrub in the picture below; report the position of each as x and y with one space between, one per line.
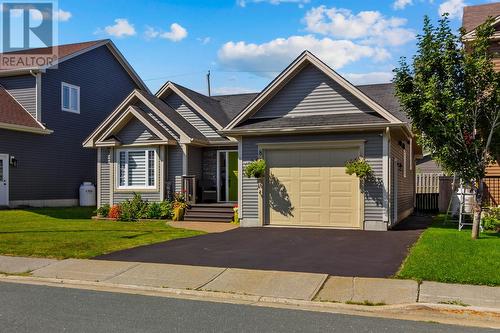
115 212
166 210
132 210
491 219
159 210
103 211
359 167
255 169
153 211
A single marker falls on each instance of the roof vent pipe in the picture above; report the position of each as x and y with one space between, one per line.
208 82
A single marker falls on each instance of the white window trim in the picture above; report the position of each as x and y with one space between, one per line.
117 171
65 84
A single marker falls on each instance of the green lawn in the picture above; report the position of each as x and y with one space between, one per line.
447 255
70 233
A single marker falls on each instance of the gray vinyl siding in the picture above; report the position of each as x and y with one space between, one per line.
119 197
163 124
52 167
103 83
373 155
23 89
191 115
311 92
105 184
406 185
135 132
174 161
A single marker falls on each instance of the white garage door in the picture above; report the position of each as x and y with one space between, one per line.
309 187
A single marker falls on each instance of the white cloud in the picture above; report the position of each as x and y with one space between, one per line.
232 90
367 26
121 28
271 57
452 7
62 15
401 4
372 77
59 15
204 40
176 33
243 3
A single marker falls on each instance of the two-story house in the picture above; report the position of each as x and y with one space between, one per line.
473 17
46 112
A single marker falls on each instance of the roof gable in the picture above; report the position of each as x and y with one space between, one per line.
161 117
304 60
311 92
134 126
177 103
210 109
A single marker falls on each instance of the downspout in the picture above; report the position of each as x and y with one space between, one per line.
386 177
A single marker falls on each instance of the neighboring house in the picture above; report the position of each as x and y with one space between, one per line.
45 113
473 17
427 165
306 124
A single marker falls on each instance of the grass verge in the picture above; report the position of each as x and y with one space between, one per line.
445 254
70 233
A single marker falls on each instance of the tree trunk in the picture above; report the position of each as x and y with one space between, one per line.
477 210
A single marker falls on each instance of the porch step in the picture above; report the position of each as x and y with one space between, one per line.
210 212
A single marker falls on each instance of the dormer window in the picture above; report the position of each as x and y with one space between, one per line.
70 97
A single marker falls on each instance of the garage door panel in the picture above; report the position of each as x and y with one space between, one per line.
311 188
310 202
309 172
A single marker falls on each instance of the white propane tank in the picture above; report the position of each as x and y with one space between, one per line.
87 194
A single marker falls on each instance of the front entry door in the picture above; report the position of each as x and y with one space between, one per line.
227 175
4 180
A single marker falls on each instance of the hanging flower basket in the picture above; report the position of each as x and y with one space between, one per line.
358 167
256 169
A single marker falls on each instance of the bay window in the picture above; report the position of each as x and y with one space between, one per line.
136 168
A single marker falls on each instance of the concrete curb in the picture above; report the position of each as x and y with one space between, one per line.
440 313
258 283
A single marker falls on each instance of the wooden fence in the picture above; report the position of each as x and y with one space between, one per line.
491 191
427 188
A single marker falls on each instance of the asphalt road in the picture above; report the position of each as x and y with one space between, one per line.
28 308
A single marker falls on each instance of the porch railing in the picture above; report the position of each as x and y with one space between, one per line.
189 188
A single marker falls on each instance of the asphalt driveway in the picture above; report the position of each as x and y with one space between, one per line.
334 252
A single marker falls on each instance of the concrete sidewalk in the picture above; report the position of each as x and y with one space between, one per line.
260 283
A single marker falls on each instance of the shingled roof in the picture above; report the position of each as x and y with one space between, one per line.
384 95
61 51
12 113
474 16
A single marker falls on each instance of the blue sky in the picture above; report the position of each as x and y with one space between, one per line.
246 42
